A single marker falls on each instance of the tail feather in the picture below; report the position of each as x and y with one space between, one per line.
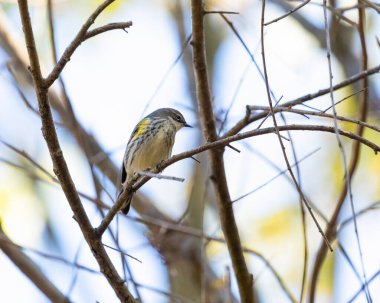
127 205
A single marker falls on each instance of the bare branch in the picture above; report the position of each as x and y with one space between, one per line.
159 176
278 132
122 252
247 120
371 5
374 276
288 13
167 73
221 12
373 206
134 185
59 163
197 233
281 173
106 28
354 161
253 133
79 38
313 113
227 219
30 269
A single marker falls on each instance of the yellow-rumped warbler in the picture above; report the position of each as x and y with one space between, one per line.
151 142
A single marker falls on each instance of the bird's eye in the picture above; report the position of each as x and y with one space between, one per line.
178 118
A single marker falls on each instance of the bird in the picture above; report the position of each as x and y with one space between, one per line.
150 144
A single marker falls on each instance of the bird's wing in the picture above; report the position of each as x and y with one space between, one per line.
139 129
123 173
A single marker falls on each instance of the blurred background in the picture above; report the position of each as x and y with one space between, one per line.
115 79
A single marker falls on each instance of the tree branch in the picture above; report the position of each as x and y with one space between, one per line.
246 120
331 229
288 13
227 219
106 28
79 38
307 205
59 163
30 269
313 113
134 185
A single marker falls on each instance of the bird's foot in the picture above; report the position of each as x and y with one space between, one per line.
160 166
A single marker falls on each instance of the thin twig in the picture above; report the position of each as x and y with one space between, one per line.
79 38
174 298
234 98
226 215
278 132
160 176
371 5
51 257
313 113
354 161
26 156
167 73
288 13
221 12
134 185
43 170
245 46
281 173
336 127
52 31
268 114
122 252
247 120
254 133
345 98
198 233
303 218
106 28
374 276
30 269
373 206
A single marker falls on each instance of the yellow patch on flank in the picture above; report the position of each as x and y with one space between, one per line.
140 128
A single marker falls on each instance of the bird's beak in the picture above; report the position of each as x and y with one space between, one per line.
187 125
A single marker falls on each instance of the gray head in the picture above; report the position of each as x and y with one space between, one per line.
173 115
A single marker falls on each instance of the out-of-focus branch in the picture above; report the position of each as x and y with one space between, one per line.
244 278
306 203
371 5
59 163
106 28
331 229
362 288
342 38
314 113
79 38
248 119
305 22
30 269
173 227
291 11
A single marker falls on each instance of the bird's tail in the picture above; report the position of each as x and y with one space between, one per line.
127 204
